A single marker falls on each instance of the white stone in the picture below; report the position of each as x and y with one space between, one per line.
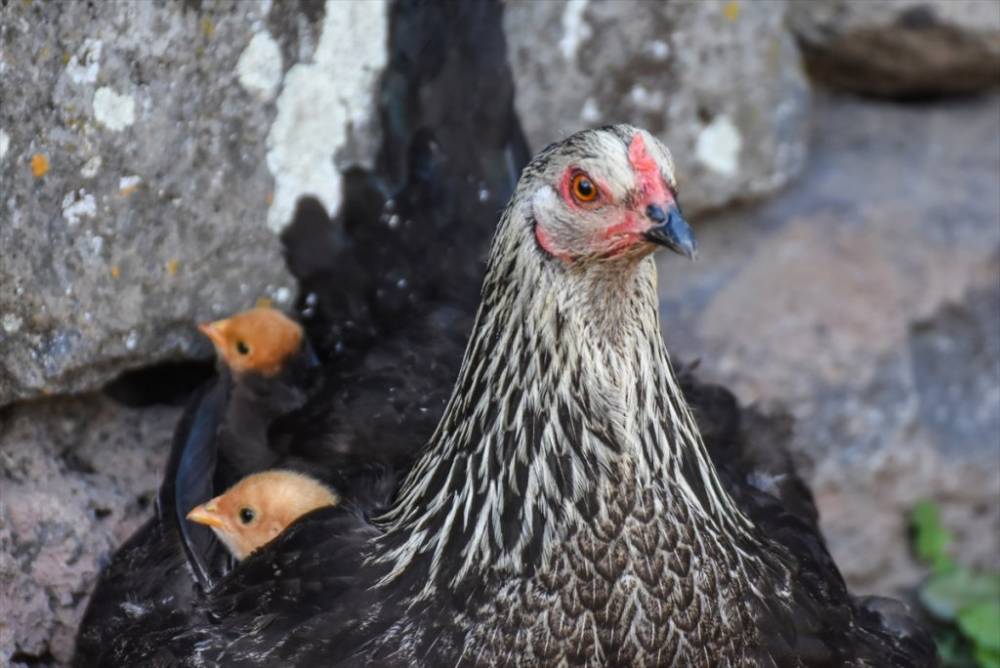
319 104
259 67
282 295
11 322
575 29
4 144
113 111
126 182
91 167
718 146
645 99
659 49
77 205
590 112
85 64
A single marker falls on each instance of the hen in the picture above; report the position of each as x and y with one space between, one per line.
566 510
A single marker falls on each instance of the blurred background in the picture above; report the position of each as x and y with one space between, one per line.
840 162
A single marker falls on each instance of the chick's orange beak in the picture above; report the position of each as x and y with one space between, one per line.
206 514
215 331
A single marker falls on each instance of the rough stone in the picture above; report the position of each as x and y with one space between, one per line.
866 299
935 409
138 164
77 476
720 82
901 47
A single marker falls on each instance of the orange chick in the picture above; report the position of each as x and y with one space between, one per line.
259 340
258 508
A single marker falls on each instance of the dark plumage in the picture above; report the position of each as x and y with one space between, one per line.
366 422
566 510
389 288
412 233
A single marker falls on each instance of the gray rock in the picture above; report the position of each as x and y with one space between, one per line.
901 47
77 477
719 82
934 412
865 300
138 161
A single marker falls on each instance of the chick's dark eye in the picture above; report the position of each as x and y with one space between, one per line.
247 515
242 348
583 188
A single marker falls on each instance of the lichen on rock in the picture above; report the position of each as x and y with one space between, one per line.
143 137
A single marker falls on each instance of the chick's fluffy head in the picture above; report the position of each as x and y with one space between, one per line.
259 340
258 508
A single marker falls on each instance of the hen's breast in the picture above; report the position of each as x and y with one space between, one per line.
638 584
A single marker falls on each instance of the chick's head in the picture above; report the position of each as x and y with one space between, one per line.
258 508
260 340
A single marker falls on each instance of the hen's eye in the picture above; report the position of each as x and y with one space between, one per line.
247 515
242 348
583 188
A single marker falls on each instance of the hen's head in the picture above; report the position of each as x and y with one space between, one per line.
258 508
260 340
604 194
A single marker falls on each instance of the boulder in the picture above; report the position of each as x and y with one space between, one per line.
77 476
720 82
151 155
902 47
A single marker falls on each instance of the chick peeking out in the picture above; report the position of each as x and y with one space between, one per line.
258 340
254 511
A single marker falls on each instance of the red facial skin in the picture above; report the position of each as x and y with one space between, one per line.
620 237
628 230
652 188
545 241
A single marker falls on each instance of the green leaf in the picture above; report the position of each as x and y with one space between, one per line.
987 658
931 540
981 623
953 650
945 594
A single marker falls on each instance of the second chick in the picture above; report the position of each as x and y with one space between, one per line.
254 511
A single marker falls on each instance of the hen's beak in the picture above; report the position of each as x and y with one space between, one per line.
671 230
206 514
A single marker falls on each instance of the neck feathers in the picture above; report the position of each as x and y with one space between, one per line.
564 382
